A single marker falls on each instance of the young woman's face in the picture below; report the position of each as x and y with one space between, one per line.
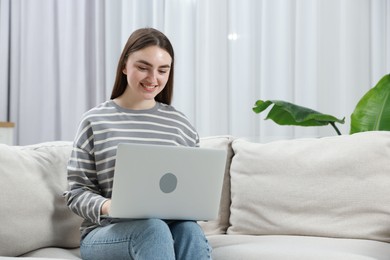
147 72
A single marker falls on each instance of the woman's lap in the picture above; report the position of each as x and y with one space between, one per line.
146 239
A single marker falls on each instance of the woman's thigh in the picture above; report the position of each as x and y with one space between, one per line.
137 239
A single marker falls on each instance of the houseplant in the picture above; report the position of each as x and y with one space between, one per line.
371 113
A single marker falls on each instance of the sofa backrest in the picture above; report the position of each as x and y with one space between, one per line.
33 212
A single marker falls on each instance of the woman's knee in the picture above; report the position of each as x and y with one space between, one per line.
153 241
154 229
190 227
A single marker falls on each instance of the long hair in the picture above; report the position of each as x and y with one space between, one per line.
138 40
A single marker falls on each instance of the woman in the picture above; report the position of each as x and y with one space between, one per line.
139 112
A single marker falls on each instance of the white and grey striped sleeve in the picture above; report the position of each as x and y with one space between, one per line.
84 196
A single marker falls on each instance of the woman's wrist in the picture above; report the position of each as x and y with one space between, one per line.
105 209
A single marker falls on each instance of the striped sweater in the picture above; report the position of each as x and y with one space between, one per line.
92 161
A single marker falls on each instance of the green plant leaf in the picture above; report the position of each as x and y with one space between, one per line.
373 110
285 113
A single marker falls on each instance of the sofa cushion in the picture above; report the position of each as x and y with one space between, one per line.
279 247
33 212
220 225
332 187
54 253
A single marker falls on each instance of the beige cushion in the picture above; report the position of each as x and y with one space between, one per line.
220 225
333 187
33 212
280 247
54 253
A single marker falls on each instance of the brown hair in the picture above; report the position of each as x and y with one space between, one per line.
138 40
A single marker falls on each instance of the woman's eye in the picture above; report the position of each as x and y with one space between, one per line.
142 68
163 71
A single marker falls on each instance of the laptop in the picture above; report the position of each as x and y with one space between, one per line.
167 182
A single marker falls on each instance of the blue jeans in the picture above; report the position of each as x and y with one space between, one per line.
147 239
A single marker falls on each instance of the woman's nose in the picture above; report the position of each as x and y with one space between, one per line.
152 76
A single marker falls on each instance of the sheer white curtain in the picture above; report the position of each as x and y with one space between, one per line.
321 54
58 58
56 65
4 59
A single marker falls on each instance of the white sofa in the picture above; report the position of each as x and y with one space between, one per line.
320 198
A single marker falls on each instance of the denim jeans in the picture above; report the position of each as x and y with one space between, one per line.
147 239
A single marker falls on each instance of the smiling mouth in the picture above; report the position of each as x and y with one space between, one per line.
148 87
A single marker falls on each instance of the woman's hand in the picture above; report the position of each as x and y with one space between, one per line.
106 207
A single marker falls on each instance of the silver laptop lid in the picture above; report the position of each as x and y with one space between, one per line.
167 182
